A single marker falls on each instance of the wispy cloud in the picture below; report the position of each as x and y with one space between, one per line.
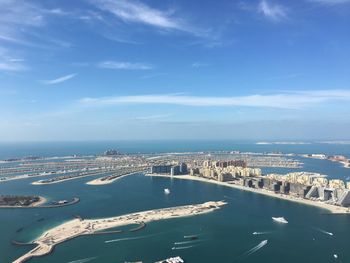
294 100
274 12
331 2
59 80
17 15
199 65
153 117
118 65
12 65
8 63
136 12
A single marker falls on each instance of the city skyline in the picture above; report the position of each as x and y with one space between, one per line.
109 70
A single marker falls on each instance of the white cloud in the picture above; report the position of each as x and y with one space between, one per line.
272 11
17 15
12 66
8 63
59 80
124 65
331 2
136 12
294 100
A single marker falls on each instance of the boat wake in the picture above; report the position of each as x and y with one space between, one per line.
253 250
256 248
187 242
180 248
261 233
129 238
324 231
83 260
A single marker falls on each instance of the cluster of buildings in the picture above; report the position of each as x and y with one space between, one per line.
311 186
171 169
225 170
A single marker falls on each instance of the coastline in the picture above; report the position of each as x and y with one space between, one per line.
68 230
42 200
330 208
99 181
63 180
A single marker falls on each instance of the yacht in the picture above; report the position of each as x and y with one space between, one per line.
172 260
280 220
166 191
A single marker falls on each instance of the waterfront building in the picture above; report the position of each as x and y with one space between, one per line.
169 169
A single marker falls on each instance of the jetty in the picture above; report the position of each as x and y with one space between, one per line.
77 227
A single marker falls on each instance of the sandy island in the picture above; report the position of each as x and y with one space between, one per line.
42 200
42 182
108 179
331 208
78 227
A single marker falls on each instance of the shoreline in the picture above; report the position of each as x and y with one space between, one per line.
42 200
63 180
68 230
99 181
330 208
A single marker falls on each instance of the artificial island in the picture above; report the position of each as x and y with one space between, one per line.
236 169
78 227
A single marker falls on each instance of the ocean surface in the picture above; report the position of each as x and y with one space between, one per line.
225 235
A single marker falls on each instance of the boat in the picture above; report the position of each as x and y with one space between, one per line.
280 220
172 260
166 191
191 237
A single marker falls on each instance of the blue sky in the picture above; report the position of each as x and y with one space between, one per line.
112 69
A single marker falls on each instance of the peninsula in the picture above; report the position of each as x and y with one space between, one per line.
78 227
111 178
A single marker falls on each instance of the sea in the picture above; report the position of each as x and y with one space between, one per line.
242 231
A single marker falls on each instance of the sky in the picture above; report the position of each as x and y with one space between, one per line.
199 69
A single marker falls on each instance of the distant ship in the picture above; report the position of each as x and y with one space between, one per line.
280 220
166 191
112 152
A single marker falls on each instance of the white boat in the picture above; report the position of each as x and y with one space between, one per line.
172 260
280 220
166 191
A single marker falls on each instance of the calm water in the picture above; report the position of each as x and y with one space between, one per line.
224 235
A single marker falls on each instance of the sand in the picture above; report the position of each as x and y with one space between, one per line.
77 227
42 200
331 208
99 181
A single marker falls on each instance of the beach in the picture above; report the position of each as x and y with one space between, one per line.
78 227
42 200
330 208
107 179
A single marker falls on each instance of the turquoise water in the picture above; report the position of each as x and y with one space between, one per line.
15 150
224 235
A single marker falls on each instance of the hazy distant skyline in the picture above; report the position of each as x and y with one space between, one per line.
116 70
